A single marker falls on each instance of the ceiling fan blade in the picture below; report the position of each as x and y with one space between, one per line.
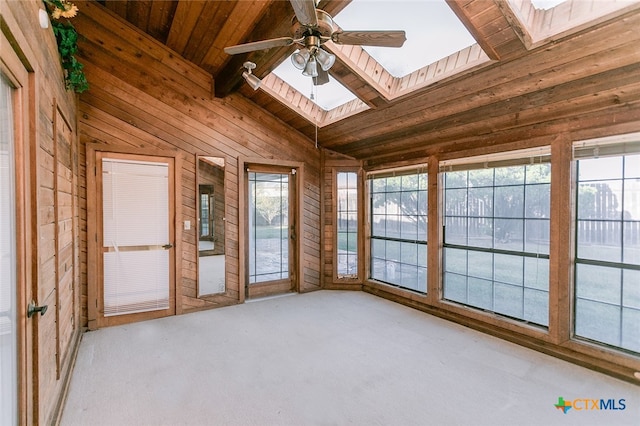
305 11
322 78
370 38
258 45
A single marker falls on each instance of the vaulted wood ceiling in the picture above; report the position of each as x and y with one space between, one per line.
526 83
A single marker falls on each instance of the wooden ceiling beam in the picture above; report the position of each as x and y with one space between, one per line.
487 23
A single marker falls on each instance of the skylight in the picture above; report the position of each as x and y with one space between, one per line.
433 31
326 96
546 4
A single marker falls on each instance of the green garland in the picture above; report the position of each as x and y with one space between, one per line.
67 39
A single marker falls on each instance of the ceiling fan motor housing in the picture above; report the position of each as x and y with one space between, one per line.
324 28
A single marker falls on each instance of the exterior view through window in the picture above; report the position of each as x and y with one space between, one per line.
496 237
607 265
399 229
347 224
268 227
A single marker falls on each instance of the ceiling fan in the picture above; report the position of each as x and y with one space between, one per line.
311 29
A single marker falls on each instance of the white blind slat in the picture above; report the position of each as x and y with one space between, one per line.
503 159
399 171
607 147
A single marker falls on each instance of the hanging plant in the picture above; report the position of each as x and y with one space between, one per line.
67 39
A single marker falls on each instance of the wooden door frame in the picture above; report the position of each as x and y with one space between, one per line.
297 257
94 228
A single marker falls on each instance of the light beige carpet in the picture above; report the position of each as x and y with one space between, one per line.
326 358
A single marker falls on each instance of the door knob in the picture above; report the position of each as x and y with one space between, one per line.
32 309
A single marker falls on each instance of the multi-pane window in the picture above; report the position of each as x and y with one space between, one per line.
496 237
347 224
268 227
607 263
399 230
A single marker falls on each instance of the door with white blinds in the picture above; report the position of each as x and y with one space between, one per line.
137 249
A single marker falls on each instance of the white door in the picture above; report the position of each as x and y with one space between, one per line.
137 237
8 287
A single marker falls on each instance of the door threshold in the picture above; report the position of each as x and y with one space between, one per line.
273 296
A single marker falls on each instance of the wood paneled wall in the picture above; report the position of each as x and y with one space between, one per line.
53 216
145 95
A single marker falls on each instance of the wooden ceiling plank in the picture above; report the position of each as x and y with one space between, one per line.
119 7
213 26
97 32
234 31
160 18
184 21
201 28
138 13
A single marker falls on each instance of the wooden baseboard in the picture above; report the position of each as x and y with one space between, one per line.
66 378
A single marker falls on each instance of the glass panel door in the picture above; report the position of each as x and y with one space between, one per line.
8 341
270 225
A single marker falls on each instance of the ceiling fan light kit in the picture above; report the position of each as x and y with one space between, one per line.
311 68
325 59
300 58
311 29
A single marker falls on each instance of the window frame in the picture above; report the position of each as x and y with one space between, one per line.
417 169
357 277
540 155
608 147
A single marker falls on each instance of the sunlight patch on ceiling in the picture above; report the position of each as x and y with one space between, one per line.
433 31
326 96
546 4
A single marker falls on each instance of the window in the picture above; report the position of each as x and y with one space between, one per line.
206 212
347 224
399 229
268 227
607 263
496 235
